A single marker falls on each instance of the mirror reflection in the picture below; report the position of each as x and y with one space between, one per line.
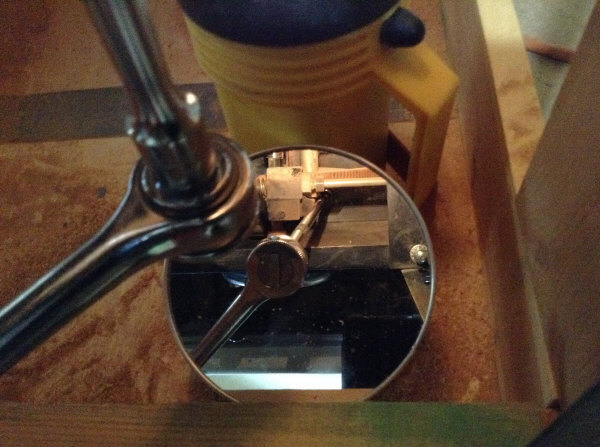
331 291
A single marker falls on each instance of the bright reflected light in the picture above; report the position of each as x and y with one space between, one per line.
190 98
276 381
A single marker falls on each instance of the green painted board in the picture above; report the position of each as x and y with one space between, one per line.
228 424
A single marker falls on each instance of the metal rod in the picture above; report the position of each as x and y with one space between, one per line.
308 221
232 319
166 126
310 160
353 182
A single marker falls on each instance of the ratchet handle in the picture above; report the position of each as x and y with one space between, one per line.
276 269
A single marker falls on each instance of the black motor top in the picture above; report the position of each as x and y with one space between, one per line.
283 23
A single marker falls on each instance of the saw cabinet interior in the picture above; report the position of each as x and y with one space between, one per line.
515 331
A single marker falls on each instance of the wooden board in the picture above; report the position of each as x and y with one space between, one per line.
501 123
364 424
558 208
516 95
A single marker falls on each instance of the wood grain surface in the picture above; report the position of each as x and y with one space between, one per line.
559 212
214 424
502 123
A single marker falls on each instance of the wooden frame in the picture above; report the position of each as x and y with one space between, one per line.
224 424
537 213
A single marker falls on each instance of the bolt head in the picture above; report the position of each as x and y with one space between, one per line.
419 254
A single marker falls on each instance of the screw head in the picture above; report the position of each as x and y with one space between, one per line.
419 254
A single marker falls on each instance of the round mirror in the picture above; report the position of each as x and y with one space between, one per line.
327 298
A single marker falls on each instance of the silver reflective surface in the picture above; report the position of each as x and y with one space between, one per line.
362 302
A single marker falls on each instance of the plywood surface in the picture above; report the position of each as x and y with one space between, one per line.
51 45
57 193
54 196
